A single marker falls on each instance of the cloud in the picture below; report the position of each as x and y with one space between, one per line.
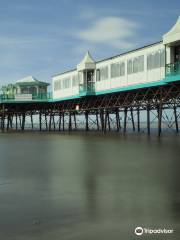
113 31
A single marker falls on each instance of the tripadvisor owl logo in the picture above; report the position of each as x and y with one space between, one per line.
138 231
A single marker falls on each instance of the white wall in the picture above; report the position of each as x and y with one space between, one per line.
64 93
146 76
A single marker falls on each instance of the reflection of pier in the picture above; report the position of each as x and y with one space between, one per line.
115 111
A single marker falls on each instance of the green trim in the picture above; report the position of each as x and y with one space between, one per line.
86 93
133 87
30 101
172 78
65 98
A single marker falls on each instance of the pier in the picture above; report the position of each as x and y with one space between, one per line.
107 112
119 93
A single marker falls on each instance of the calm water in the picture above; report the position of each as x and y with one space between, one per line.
78 186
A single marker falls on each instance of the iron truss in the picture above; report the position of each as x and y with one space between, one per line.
114 111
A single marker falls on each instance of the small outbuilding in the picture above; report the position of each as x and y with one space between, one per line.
26 89
30 85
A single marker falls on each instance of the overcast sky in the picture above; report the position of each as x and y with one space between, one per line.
45 37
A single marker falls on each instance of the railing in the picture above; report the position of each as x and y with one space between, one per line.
6 97
88 89
42 96
25 97
173 69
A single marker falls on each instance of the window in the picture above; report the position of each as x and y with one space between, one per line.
156 59
62 83
162 58
122 68
75 80
135 65
66 82
129 67
141 63
102 73
117 69
57 85
98 75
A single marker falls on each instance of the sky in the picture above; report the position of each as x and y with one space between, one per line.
45 37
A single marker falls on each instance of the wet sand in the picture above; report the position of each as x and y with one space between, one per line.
88 186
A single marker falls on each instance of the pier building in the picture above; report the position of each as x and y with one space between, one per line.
151 65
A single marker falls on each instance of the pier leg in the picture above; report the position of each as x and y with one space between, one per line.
125 119
16 119
105 121
159 119
23 121
132 119
102 120
54 124
148 120
70 122
8 122
97 120
46 121
75 123
63 121
32 124
118 124
3 122
108 121
59 121
176 119
50 121
40 121
11 121
20 122
119 119
138 119
87 120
